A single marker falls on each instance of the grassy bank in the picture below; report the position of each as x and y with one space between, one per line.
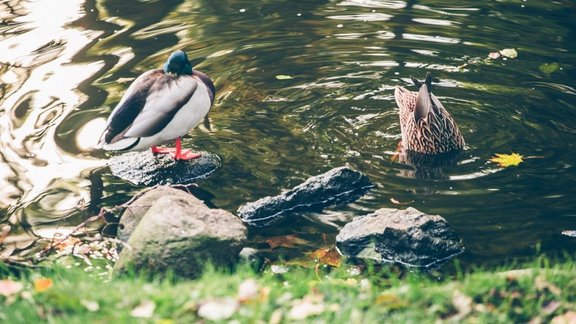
541 293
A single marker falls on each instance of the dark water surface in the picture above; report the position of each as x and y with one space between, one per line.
64 67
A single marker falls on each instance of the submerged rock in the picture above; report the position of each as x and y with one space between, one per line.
170 230
145 168
338 186
408 237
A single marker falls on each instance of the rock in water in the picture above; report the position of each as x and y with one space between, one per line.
145 168
408 237
174 231
338 186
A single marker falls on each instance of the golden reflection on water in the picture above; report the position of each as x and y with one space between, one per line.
41 80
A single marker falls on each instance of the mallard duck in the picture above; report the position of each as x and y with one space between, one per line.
426 125
159 106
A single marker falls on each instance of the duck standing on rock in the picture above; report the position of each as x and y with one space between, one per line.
426 126
159 106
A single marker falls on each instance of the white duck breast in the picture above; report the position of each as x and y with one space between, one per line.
156 108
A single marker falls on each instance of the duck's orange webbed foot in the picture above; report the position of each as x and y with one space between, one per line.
176 152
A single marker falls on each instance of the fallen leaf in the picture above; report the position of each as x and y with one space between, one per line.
66 243
279 269
396 202
144 310
248 290
570 233
462 303
9 287
551 307
391 301
329 257
164 321
542 284
310 305
276 317
218 310
91 306
506 160
548 68
42 284
509 53
494 55
287 241
283 77
566 318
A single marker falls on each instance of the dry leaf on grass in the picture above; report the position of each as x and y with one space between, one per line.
566 318
91 305
42 284
144 310
541 284
218 310
462 303
250 291
310 305
9 287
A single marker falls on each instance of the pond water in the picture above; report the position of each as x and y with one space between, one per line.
302 87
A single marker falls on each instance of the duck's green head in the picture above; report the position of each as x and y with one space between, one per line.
178 64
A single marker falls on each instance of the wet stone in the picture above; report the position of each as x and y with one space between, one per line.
170 230
338 186
408 237
145 168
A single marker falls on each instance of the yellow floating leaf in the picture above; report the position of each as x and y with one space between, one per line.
42 284
506 160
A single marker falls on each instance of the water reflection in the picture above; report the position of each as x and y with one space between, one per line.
41 84
62 75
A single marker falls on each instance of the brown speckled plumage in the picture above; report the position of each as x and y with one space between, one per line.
426 125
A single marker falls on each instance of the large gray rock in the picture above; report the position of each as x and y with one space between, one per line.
138 208
169 229
408 237
145 168
337 186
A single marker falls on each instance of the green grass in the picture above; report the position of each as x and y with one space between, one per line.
540 294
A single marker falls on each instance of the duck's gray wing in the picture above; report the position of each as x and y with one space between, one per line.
129 107
164 99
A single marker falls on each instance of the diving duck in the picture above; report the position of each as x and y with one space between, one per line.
160 105
426 125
